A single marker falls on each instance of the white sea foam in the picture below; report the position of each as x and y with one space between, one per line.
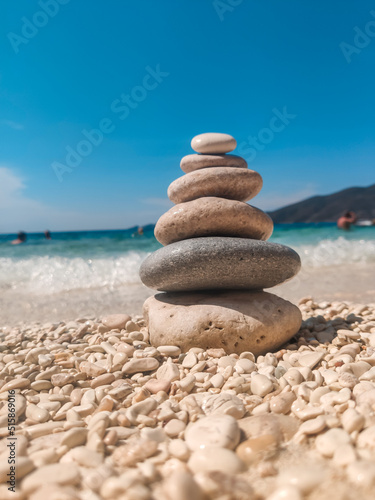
337 252
49 275
42 275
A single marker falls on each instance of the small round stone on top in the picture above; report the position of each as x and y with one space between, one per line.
213 143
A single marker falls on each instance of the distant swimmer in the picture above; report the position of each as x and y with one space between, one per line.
47 234
139 232
346 220
21 238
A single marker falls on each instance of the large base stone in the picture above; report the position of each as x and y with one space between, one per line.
237 321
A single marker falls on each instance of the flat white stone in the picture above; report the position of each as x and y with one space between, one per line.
215 459
213 142
215 430
328 442
311 359
304 477
261 385
54 473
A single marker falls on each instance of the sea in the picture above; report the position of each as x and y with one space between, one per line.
95 259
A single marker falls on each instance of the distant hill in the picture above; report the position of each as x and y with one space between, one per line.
360 200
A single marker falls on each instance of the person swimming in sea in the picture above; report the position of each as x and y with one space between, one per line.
346 220
139 232
47 234
21 238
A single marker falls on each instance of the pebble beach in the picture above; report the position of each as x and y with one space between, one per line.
102 414
218 390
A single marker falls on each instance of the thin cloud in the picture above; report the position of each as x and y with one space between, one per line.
20 212
11 124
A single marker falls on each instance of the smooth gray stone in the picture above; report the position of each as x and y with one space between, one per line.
219 263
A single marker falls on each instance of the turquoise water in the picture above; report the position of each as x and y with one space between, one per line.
95 259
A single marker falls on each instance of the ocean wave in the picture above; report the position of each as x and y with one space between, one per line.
337 252
44 275
49 275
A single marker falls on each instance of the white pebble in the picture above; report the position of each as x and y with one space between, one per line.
285 493
362 473
261 385
215 459
328 442
215 430
303 477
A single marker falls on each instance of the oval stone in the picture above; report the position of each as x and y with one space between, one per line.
223 182
219 263
235 321
115 321
215 459
213 142
211 216
190 163
215 430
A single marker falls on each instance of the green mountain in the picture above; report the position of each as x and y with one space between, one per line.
329 208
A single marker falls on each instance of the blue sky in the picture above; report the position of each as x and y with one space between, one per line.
222 66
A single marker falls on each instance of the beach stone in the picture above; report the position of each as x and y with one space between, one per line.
17 383
215 430
261 385
155 386
36 413
61 379
116 321
311 360
282 403
222 182
261 448
53 473
191 163
366 438
218 485
181 486
169 350
236 321
352 420
281 427
327 443
129 454
213 142
178 449
174 427
169 372
362 473
285 493
217 380
219 263
214 458
86 457
140 365
211 216
24 466
304 477
224 403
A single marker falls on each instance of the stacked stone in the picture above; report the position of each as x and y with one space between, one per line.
216 260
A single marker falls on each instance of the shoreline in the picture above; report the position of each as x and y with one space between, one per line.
352 283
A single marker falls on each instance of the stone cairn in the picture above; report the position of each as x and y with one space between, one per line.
216 261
